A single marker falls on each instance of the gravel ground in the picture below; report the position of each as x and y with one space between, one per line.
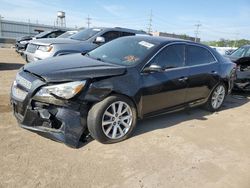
186 149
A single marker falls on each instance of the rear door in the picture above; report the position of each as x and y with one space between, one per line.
203 71
163 90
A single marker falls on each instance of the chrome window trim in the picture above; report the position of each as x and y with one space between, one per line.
173 43
185 66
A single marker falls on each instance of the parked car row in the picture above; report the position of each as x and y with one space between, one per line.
22 42
106 88
82 42
224 50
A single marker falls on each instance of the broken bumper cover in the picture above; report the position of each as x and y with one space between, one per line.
57 123
58 120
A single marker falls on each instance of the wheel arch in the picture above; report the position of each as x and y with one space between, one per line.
130 98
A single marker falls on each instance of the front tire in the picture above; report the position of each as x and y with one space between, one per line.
112 120
216 98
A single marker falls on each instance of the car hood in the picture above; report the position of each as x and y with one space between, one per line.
239 60
72 67
54 41
24 38
233 59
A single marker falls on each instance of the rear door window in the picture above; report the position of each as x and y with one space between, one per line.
197 56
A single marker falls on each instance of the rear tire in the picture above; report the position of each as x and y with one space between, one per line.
112 120
216 98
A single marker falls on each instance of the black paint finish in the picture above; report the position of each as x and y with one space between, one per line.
152 92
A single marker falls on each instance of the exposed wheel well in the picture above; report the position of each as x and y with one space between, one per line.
133 101
225 82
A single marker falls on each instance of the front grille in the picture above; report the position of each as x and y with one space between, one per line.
31 48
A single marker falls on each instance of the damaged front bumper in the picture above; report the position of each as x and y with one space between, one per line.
61 121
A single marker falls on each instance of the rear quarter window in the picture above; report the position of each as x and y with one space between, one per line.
198 55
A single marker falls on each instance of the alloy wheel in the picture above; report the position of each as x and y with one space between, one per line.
218 97
117 120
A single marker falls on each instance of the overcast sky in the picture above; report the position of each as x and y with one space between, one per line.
219 18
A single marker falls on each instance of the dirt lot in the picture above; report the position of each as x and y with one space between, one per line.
185 149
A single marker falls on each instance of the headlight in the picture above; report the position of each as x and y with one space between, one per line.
45 48
65 91
24 42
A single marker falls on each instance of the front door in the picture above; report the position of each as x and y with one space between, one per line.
166 89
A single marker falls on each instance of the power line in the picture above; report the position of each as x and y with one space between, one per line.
196 32
150 22
88 21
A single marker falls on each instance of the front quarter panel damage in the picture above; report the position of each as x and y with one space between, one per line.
73 124
100 89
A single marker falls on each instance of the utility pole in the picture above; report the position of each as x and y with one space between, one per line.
150 22
1 25
29 25
196 32
236 38
88 21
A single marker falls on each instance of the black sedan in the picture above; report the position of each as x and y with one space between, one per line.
104 92
241 57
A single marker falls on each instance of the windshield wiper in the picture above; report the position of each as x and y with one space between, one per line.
96 58
86 54
99 59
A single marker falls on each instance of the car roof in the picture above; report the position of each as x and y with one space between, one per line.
121 29
159 40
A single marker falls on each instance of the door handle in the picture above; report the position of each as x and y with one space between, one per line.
183 79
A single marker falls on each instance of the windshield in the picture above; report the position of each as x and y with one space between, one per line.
241 52
85 34
124 51
42 34
67 34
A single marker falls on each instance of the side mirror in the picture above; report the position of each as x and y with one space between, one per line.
153 68
99 40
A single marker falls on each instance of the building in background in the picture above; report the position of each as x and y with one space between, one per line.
10 30
172 35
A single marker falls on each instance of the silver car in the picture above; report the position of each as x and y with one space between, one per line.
81 42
